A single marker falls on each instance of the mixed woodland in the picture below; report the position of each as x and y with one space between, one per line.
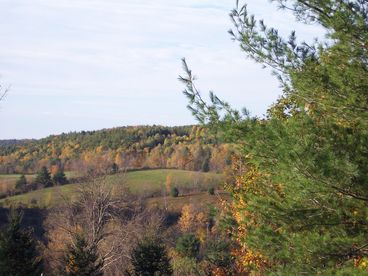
294 193
187 147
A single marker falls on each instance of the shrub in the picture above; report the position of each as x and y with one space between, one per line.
188 246
211 190
186 266
150 258
33 202
114 168
174 192
218 253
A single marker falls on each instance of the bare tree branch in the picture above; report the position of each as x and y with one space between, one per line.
3 92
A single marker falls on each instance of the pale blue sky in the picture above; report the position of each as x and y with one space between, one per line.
91 64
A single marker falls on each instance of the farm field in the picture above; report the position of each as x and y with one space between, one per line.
7 181
147 183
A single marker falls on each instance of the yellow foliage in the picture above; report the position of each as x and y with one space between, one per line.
187 219
201 218
201 234
362 263
99 149
249 261
246 181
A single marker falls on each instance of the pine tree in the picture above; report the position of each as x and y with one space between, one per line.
302 204
150 258
59 178
43 177
82 259
114 168
18 249
21 183
188 245
174 192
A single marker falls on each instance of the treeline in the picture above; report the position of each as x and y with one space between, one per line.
184 147
43 179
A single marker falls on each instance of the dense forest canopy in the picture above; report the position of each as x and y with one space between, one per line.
184 147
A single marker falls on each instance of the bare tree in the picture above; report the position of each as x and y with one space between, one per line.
111 218
89 213
3 92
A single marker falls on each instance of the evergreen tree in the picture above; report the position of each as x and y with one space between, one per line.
60 178
218 253
150 258
301 205
174 192
114 168
211 190
21 183
43 177
188 246
18 249
82 259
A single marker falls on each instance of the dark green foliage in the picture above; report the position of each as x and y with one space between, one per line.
211 191
21 183
18 249
114 168
60 178
43 177
304 201
218 253
188 245
150 258
174 192
82 259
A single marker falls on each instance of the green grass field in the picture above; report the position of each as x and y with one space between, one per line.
145 183
7 181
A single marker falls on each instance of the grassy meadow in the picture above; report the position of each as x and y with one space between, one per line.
7 181
147 183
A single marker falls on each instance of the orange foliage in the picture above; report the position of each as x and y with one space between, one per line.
247 260
192 220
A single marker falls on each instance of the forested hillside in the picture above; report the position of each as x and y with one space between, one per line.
293 199
184 147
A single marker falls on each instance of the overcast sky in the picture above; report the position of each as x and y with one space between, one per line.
90 64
